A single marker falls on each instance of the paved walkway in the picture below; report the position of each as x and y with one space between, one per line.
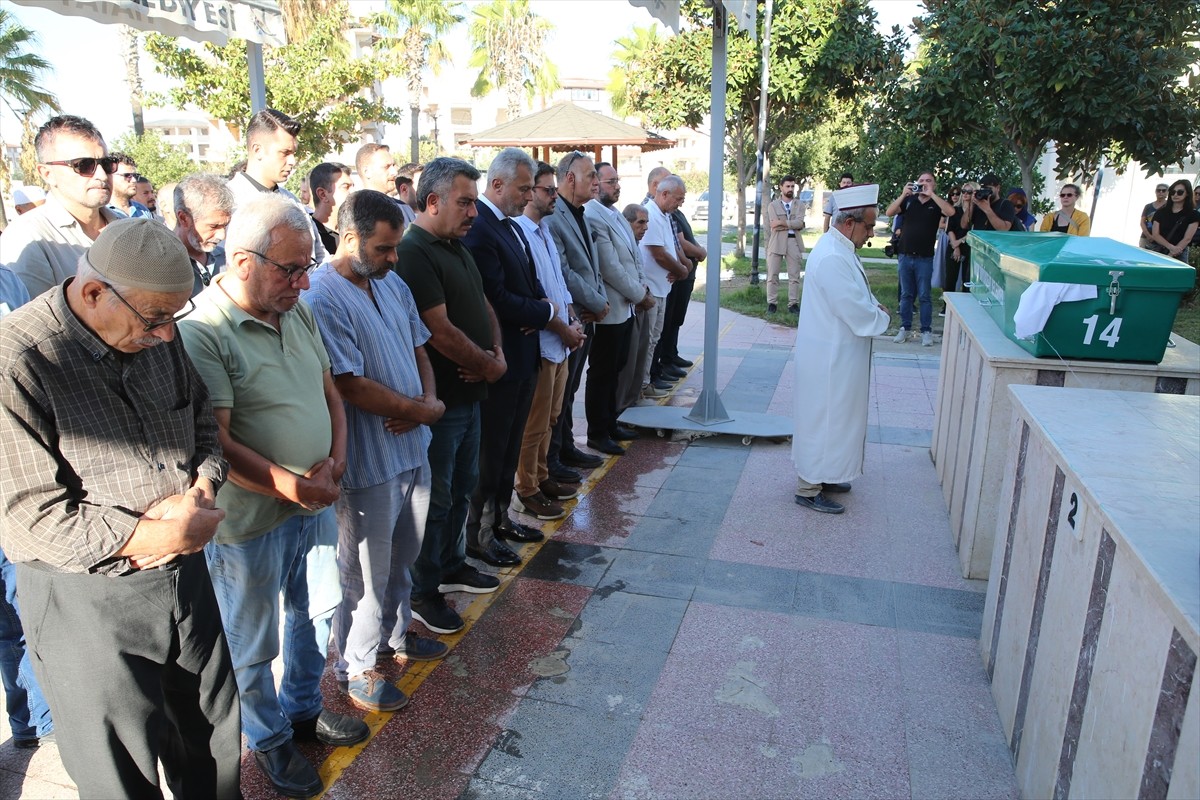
689 632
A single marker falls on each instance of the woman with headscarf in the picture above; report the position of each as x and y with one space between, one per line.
1068 218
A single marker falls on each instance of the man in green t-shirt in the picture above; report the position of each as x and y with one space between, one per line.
465 349
283 430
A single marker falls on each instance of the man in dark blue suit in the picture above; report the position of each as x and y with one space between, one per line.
510 282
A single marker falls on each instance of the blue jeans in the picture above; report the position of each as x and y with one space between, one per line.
915 274
298 559
28 712
453 472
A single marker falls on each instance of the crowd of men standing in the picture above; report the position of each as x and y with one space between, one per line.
331 408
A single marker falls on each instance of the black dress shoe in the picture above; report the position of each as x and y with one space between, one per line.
622 434
663 384
516 532
772 308
577 458
564 474
338 730
288 771
820 503
606 446
497 554
681 362
835 488
672 373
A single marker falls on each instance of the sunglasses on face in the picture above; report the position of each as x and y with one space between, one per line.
1179 193
129 176
86 166
1066 194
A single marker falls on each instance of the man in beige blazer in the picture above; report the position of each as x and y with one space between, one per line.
785 220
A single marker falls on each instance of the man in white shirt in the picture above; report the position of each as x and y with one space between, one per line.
660 259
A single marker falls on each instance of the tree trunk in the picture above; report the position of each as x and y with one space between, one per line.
415 153
133 76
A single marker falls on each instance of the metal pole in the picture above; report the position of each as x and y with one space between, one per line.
708 408
760 151
1096 190
258 82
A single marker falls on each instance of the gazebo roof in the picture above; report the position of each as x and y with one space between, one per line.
565 126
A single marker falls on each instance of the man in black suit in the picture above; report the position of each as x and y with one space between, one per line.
502 254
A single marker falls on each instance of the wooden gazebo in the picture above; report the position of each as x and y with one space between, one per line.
565 127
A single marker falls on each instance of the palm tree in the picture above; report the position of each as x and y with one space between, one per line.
419 23
509 41
20 90
631 53
133 75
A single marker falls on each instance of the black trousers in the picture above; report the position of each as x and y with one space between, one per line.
610 350
502 418
677 305
137 672
563 436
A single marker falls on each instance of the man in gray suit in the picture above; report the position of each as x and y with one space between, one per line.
617 251
577 183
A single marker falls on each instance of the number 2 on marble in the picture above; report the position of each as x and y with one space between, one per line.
1074 510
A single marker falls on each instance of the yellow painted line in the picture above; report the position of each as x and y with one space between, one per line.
414 675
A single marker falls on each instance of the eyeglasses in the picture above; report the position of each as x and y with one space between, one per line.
148 325
86 166
612 181
1179 193
572 157
129 176
1161 190
546 189
291 273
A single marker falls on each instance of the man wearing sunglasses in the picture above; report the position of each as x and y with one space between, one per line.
283 429
43 246
112 464
125 187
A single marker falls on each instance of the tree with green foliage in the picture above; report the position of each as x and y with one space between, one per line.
414 28
509 43
1101 79
823 52
158 159
20 88
631 53
314 80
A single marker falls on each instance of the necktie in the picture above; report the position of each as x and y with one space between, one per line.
516 229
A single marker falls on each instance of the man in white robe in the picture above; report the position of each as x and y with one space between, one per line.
838 317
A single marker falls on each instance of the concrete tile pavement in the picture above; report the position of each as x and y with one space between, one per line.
689 632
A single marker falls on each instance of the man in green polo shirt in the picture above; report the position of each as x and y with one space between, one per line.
464 348
283 429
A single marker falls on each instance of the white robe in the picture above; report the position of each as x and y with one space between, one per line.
838 317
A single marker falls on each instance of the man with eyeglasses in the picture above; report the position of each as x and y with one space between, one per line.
125 187
112 465
838 318
283 429
43 246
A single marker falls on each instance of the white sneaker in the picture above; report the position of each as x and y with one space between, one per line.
926 339
901 336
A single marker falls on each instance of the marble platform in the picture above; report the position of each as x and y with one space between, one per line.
1090 626
971 427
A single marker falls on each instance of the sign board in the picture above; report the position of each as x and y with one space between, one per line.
216 21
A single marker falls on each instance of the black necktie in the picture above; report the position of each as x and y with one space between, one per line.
524 243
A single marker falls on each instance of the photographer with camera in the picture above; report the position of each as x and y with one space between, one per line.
923 212
991 211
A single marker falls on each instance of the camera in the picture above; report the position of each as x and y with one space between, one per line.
983 193
889 249
915 187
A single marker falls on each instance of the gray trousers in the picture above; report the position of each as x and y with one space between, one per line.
137 672
629 380
380 529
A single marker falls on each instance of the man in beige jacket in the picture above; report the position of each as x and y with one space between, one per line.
785 220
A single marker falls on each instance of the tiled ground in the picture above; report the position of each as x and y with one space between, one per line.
688 632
